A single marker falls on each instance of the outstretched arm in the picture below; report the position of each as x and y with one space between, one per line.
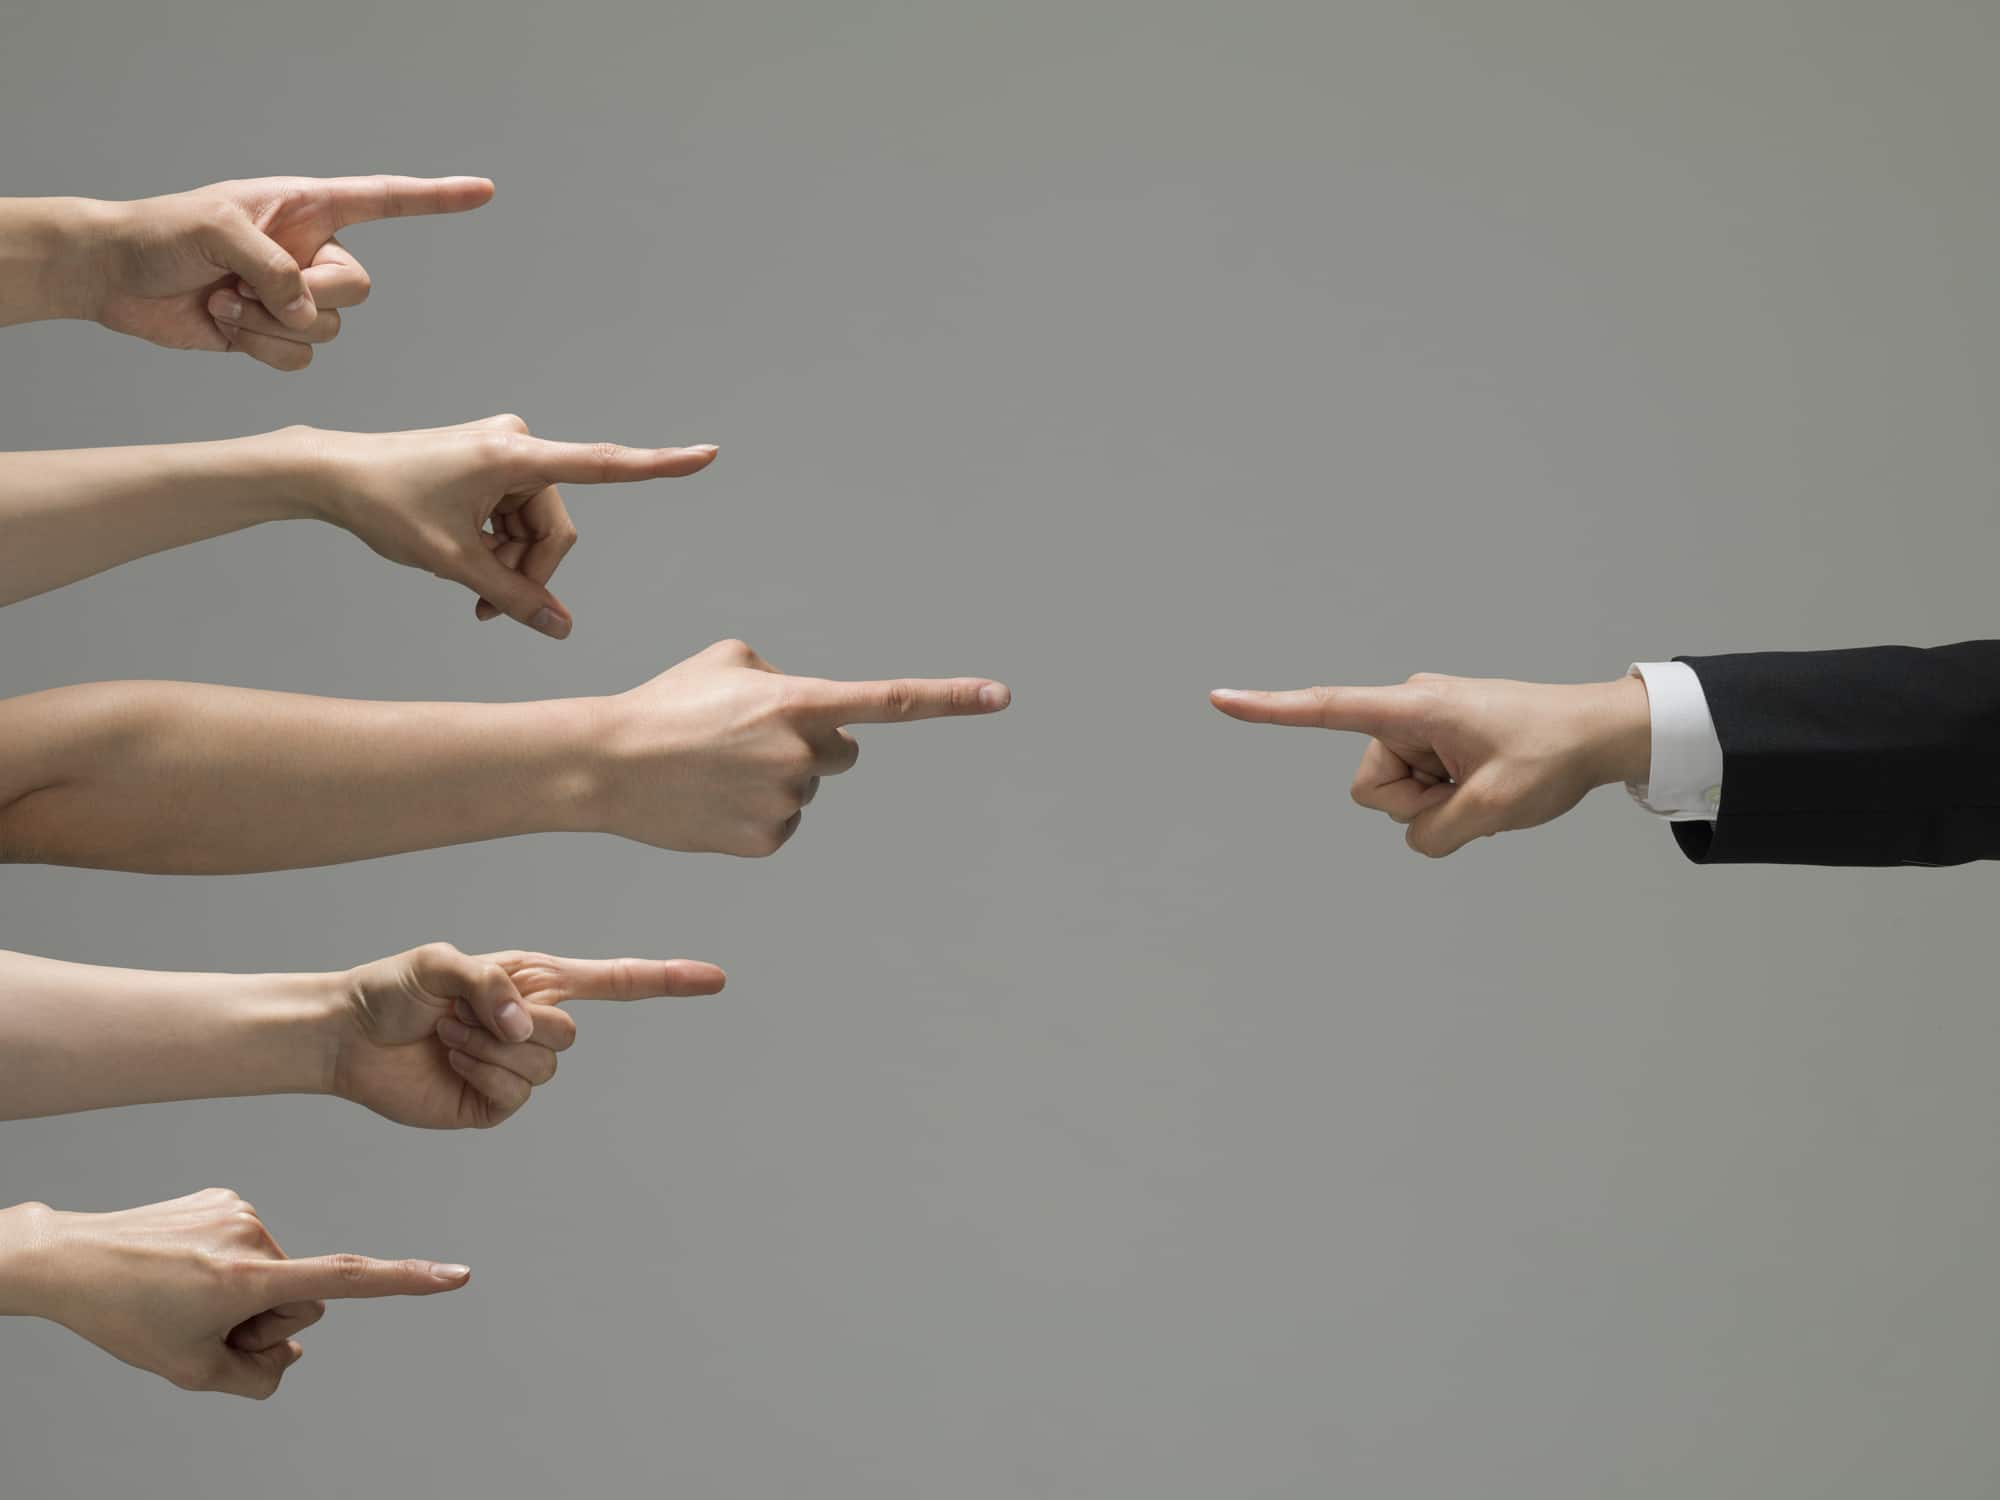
433 1037
720 753
476 503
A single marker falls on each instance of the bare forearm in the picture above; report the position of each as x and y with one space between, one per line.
76 1037
48 248
68 514
24 1262
180 779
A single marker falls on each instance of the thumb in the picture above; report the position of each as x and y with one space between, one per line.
1471 811
323 1278
514 594
265 267
482 984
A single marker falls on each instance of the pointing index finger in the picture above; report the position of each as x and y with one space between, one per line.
611 463
1364 710
636 978
357 200
900 699
322 1278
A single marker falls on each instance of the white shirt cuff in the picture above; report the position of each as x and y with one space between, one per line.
1685 783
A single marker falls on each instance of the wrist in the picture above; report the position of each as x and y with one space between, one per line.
27 1260
280 1034
1615 730
286 470
55 256
580 780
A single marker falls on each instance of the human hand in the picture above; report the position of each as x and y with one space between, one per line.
476 504
1459 758
440 1040
720 753
252 266
196 1289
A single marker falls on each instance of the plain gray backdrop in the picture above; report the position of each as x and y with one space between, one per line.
1101 1106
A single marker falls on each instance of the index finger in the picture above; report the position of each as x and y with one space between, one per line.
356 200
1364 710
900 699
610 463
636 978
323 1278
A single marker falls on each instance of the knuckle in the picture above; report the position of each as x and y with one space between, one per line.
899 698
347 1266
362 284
606 453
509 421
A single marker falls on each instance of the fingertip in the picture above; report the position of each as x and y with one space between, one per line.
555 626
697 978
299 312
995 696
452 1274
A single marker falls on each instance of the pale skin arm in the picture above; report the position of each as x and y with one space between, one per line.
477 504
1455 759
433 1037
195 1290
250 266
720 753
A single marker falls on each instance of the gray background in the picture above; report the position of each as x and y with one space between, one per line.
1100 1106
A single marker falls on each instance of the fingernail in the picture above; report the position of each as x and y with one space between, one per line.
995 695
548 622
1226 693
514 1022
301 304
226 305
447 1272
709 448
454 1031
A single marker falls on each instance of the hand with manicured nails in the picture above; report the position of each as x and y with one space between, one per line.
437 1039
721 753
1459 758
476 504
195 1290
251 266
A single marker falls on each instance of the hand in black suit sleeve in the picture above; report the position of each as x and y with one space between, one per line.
1886 755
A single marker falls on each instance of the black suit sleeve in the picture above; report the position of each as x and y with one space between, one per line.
1888 755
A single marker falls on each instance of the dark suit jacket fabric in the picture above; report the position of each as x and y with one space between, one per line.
1885 755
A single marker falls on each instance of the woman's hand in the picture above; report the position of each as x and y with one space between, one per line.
476 504
195 1290
722 752
251 266
438 1039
